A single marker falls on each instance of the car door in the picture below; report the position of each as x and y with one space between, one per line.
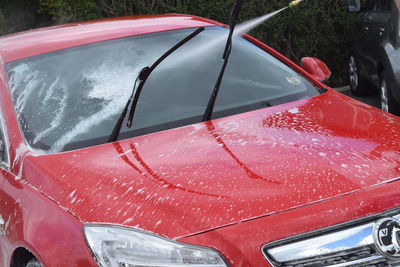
360 35
379 27
363 36
4 174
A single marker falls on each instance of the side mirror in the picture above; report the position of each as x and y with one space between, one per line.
316 68
354 6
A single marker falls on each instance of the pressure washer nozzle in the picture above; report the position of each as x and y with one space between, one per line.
295 3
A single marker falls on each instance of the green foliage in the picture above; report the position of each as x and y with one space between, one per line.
18 15
70 10
319 28
3 24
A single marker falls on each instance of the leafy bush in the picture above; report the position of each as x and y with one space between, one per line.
18 15
3 25
65 11
319 28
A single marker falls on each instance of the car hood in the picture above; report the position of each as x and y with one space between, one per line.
208 175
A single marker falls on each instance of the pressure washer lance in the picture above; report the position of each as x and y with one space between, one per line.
295 3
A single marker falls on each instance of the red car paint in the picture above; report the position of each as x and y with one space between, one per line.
233 184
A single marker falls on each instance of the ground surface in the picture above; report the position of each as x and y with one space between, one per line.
370 100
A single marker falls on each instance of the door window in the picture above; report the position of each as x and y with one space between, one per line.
368 5
383 5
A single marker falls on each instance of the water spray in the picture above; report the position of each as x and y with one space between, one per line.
239 30
245 27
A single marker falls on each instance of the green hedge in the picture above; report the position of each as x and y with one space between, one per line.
3 24
319 28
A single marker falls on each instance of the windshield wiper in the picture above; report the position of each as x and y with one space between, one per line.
142 77
228 47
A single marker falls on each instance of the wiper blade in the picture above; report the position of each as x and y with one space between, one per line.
142 77
228 47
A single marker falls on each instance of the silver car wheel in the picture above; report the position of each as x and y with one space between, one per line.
353 72
384 97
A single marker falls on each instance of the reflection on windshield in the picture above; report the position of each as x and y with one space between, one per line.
72 98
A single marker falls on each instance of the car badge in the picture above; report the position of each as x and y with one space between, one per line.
386 236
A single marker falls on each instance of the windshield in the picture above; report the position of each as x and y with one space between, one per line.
72 98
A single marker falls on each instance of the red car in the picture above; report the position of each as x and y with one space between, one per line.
287 173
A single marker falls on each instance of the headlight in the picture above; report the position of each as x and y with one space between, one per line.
122 247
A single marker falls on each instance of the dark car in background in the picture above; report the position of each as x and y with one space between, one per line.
374 58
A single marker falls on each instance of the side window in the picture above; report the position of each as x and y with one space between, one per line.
383 5
3 148
368 5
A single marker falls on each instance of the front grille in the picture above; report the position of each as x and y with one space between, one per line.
349 247
363 256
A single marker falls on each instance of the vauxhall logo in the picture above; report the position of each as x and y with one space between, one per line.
387 237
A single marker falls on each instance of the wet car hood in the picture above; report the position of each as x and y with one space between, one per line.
209 175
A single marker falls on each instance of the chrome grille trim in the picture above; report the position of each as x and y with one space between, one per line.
370 260
352 246
327 244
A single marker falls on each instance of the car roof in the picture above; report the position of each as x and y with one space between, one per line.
34 42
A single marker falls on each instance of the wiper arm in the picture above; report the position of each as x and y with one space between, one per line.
142 77
228 47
